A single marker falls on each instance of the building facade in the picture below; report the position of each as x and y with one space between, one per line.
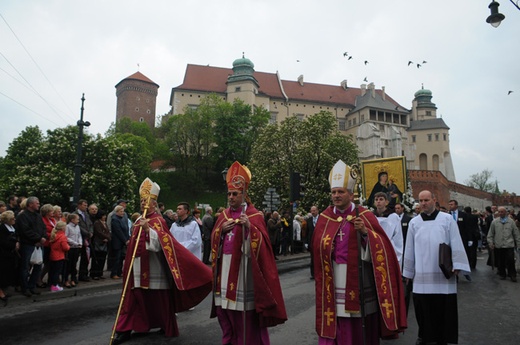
381 127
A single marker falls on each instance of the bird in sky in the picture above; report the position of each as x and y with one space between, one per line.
345 54
297 60
365 79
350 57
366 62
410 63
509 92
418 65
424 61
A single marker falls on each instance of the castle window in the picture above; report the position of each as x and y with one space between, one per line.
141 119
341 125
148 111
363 118
372 115
444 136
403 119
136 109
436 136
349 123
238 89
428 113
273 118
413 138
382 128
429 137
300 117
354 121
386 142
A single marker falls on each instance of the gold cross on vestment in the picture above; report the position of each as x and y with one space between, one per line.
176 272
326 241
388 308
329 315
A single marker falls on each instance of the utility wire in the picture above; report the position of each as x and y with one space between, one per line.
41 71
12 99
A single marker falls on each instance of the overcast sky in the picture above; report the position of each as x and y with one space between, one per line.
52 51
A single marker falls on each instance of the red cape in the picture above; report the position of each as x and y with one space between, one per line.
192 277
385 269
269 301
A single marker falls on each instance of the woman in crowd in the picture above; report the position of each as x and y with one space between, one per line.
100 245
47 212
9 246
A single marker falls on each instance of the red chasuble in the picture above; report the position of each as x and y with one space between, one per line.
385 269
269 303
192 277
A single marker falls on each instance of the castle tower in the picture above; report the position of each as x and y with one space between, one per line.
431 136
242 84
136 99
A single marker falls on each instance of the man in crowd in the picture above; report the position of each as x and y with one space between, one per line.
207 226
111 257
464 230
274 226
311 224
168 217
164 278
404 219
240 242
12 204
503 237
186 230
347 237
32 234
474 236
87 231
434 296
390 222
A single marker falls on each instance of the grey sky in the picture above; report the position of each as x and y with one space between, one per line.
88 47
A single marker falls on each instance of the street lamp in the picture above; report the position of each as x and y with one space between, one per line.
224 176
495 18
77 166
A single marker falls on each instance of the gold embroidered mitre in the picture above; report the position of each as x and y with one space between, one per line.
149 189
342 176
238 177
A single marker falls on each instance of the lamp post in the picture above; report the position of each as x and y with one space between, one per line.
495 18
224 175
77 166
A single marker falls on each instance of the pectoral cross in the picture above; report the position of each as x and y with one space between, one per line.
341 234
230 236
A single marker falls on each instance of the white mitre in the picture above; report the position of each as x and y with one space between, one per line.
340 176
149 189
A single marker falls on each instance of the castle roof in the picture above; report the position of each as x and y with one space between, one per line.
138 76
213 79
420 125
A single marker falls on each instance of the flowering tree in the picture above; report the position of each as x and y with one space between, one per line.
112 167
311 147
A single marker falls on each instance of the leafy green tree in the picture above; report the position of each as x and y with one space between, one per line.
482 181
110 167
310 146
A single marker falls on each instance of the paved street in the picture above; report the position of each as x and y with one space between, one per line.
489 310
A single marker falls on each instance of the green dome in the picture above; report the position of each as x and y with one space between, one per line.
243 62
423 92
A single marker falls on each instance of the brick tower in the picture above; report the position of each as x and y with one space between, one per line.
136 99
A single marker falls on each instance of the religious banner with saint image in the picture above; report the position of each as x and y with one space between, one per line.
387 175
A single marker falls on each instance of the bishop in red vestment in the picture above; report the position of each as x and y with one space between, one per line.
153 297
337 274
252 294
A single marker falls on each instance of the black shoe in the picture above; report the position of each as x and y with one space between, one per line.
26 293
84 279
121 337
513 279
468 277
34 292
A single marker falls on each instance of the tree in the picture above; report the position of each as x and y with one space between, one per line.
482 181
110 167
310 147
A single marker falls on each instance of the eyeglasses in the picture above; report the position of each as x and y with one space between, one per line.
233 193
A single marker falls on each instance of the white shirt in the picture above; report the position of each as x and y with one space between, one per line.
394 231
189 236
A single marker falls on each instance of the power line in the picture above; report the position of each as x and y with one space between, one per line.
12 99
41 71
